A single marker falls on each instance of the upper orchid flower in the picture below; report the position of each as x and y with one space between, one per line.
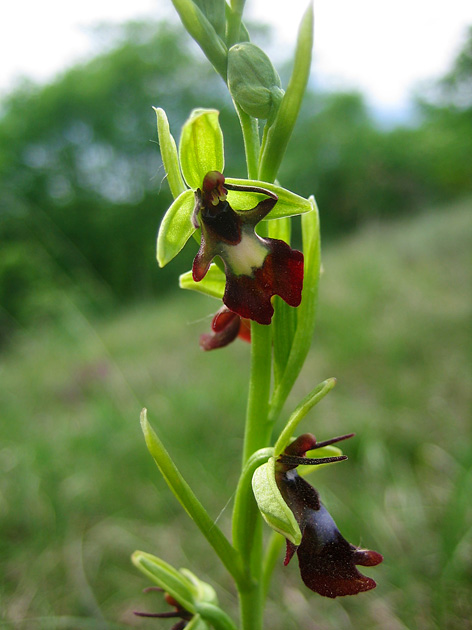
256 268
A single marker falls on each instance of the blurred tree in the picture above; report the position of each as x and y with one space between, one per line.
80 171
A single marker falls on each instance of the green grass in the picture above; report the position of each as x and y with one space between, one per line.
79 492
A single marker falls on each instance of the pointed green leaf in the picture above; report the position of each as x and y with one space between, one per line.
201 146
213 283
176 228
167 578
278 134
306 312
288 205
271 504
169 155
186 497
300 412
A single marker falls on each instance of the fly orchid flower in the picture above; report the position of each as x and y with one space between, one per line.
327 560
256 268
225 326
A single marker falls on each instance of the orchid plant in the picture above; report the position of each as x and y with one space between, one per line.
266 293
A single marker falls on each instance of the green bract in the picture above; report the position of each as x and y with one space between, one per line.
271 504
174 582
201 146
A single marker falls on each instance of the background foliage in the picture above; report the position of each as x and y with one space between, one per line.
92 332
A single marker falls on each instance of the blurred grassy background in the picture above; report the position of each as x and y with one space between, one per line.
79 491
91 331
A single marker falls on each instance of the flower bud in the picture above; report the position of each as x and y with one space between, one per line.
253 81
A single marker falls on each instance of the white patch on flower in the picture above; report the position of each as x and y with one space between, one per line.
248 254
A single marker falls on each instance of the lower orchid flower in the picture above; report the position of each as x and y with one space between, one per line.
225 326
256 268
293 507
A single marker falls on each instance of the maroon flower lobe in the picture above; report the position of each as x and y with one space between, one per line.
226 326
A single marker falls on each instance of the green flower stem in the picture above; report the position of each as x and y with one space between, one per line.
271 556
246 512
258 430
225 551
251 608
250 130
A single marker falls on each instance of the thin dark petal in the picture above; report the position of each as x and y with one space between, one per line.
292 461
334 440
165 615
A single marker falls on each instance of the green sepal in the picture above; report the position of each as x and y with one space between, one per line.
300 412
202 31
169 155
176 228
213 284
277 135
201 146
288 205
167 578
271 504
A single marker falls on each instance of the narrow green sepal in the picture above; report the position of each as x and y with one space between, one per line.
170 158
176 228
201 147
272 506
213 284
300 412
289 204
167 578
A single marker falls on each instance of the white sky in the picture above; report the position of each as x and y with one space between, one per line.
382 48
